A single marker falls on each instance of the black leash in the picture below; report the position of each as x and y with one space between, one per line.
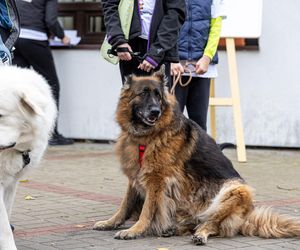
135 55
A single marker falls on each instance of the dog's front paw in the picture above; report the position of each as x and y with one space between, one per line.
104 225
169 232
127 235
199 239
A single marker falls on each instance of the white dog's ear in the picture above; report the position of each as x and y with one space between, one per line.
29 106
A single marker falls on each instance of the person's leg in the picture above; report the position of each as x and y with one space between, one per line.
18 58
181 93
131 67
198 100
39 56
127 68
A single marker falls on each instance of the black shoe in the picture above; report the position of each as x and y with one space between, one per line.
58 139
12 227
226 145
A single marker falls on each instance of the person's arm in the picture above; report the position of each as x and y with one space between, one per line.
112 22
167 32
51 19
114 32
214 37
211 46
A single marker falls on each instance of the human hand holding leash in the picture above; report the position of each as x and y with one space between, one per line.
146 66
202 65
125 56
176 68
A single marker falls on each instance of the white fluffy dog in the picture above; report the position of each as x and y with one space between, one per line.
27 116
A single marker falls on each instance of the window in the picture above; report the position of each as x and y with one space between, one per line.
86 17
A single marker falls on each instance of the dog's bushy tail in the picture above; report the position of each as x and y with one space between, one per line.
266 223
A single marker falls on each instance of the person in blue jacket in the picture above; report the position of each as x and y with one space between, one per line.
9 30
197 44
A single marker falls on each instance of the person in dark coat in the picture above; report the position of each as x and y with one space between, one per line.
154 31
197 44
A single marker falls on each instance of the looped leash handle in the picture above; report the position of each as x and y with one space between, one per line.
178 79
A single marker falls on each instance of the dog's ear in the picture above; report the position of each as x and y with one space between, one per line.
161 74
127 82
28 106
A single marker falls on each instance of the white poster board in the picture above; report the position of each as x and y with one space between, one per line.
244 18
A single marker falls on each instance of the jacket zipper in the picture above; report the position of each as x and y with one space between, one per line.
148 43
190 30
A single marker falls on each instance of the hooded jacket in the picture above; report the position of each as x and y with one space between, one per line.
167 19
9 23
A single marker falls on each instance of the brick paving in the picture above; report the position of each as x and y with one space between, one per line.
80 184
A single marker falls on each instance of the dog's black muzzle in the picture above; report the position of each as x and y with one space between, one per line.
150 117
154 113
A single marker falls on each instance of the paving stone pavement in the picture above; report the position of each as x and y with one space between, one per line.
80 184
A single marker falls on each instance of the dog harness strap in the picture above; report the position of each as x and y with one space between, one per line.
26 158
141 154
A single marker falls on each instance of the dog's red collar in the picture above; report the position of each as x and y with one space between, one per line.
142 149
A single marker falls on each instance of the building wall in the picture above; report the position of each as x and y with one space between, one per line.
269 83
89 94
269 86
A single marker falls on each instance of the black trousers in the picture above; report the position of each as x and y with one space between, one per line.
195 97
131 67
37 54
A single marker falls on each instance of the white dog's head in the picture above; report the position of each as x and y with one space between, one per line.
27 108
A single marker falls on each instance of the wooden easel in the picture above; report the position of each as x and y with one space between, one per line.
233 101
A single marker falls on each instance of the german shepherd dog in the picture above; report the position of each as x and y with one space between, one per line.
179 180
